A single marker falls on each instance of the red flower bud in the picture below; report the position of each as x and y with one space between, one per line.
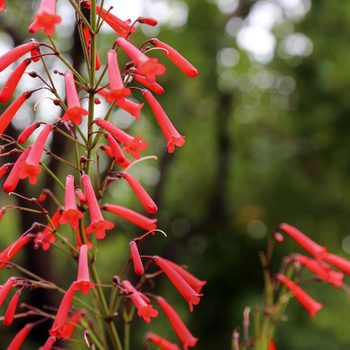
11 309
148 20
20 337
83 282
136 259
25 134
118 154
337 261
87 40
15 53
4 169
272 345
2 5
71 324
6 288
9 253
162 343
49 343
81 196
155 87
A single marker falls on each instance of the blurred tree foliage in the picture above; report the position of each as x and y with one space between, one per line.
266 142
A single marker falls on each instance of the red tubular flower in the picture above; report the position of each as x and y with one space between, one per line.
305 242
116 85
147 66
162 343
2 5
148 20
118 154
49 343
75 111
20 337
35 54
4 169
70 213
13 80
45 19
71 324
83 280
98 224
7 116
5 289
11 309
13 177
337 261
9 253
145 199
132 216
30 168
62 313
155 87
321 270
107 150
136 259
170 133
185 336
272 345
193 281
188 293
132 144
81 196
80 241
176 58
141 302
15 53
87 40
310 305
25 134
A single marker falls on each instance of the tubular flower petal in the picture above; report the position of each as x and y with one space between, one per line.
71 324
305 242
70 213
30 168
62 313
321 270
7 116
155 87
185 336
74 111
170 133
117 152
49 343
188 293
83 280
9 253
147 66
98 224
337 261
5 289
11 309
27 132
15 53
136 259
13 80
141 302
132 216
116 85
20 337
148 20
2 5
132 144
176 58
145 199
162 343
310 305
45 19
13 177
87 40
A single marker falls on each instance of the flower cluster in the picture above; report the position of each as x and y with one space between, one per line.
83 209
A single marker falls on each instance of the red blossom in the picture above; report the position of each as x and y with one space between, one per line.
161 342
155 87
15 53
272 345
117 152
2 5
81 196
6 288
337 261
20 337
4 169
11 309
9 253
83 282
27 132
49 343
136 259
148 20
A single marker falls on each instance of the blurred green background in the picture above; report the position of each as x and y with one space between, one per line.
266 125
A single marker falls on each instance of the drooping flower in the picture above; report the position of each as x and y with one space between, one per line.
83 282
30 168
176 58
136 259
49 343
117 152
147 66
13 80
141 302
310 305
46 18
20 337
71 324
11 309
87 40
9 113
161 342
305 242
9 253
70 213
185 336
145 199
27 132
155 87
62 313
171 135
117 89
321 270
132 216
74 111
98 224
337 261
14 54
6 288
184 288
131 144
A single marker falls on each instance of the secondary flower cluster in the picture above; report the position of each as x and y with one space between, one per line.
84 189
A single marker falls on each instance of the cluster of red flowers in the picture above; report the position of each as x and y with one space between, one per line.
80 194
